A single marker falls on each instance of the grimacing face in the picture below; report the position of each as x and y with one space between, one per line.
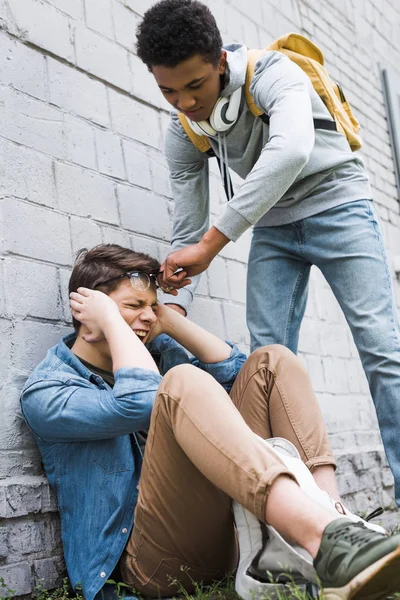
193 86
138 309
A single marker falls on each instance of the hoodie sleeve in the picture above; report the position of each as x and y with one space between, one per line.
188 169
282 90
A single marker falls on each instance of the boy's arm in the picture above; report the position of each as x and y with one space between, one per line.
282 90
188 169
205 346
100 315
62 408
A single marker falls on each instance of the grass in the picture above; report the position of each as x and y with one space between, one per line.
224 590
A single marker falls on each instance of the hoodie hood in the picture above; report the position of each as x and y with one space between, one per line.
236 57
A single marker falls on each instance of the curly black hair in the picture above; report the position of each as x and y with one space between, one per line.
174 30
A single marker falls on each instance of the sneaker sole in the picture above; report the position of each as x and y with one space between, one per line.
378 581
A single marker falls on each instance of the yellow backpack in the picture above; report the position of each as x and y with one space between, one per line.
310 58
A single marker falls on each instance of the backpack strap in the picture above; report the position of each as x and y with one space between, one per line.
289 41
299 44
200 141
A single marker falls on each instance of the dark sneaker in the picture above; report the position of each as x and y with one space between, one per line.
355 563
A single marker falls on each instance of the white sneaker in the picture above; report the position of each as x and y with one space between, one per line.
263 550
289 455
260 554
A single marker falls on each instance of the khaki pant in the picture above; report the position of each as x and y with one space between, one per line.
201 452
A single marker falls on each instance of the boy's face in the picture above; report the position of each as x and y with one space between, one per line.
136 308
193 86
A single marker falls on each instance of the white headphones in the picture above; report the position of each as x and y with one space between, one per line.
223 116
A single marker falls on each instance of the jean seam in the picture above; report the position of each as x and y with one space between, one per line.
302 443
293 304
378 234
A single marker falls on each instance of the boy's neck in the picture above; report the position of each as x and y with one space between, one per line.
95 353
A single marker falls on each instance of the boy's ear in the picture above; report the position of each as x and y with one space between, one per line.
222 63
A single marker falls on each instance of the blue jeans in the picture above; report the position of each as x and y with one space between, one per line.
346 244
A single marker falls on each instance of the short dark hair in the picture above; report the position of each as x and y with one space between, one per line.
174 30
104 262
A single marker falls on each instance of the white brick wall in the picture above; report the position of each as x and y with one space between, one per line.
81 163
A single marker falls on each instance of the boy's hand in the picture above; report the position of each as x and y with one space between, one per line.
95 310
193 260
159 326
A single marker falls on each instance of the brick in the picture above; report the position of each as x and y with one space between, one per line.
84 234
217 276
235 323
238 250
144 85
79 142
6 336
334 340
218 9
86 193
14 433
21 276
25 496
202 287
43 25
99 17
234 22
17 579
31 123
49 571
103 58
125 24
143 212
74 8
17 463
134 120
316 372
251 35
208 313
146 245
137 164
138 6
64 280
31 342
26 174
76 92
115 235
310 336
356 378
48 237
28 537
335 375
109 154
21 67
237 277
159 174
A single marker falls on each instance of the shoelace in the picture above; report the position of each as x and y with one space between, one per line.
357 534
375 513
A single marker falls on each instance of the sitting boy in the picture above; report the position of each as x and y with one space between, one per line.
91 402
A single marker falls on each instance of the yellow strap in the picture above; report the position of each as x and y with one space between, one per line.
200 141
299 44
252 57
291 41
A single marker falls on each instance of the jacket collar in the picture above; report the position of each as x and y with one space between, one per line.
64 353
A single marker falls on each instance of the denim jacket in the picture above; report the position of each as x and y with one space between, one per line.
83 429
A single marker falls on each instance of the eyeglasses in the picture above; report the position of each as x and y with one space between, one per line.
140 280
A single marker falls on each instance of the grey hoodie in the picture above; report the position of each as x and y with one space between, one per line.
290 170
